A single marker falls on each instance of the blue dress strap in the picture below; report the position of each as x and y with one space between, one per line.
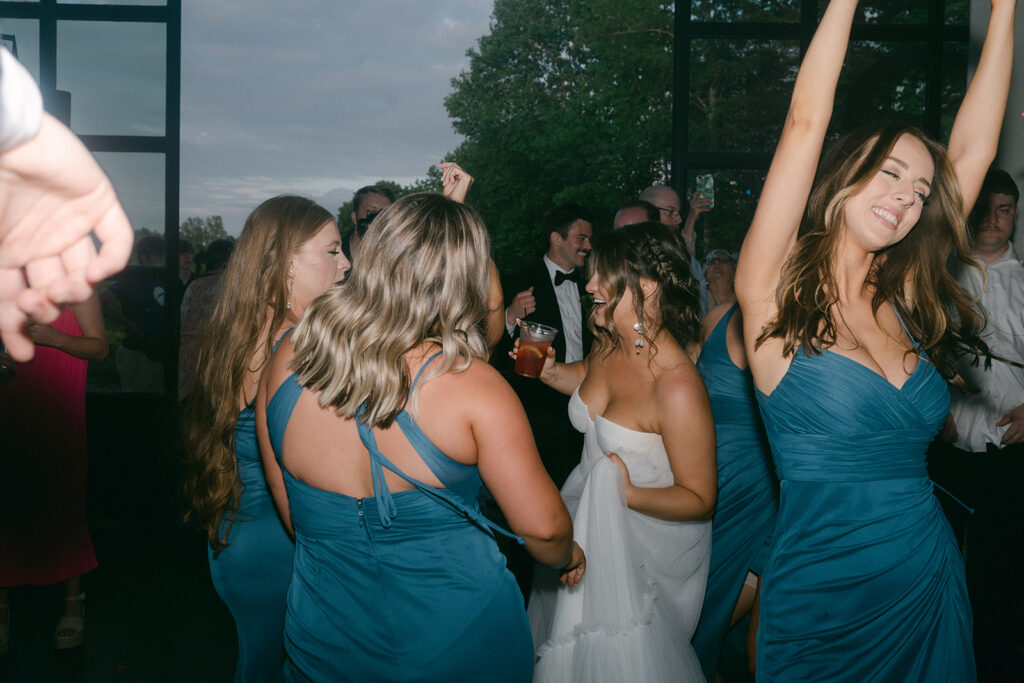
722 325
281 338
439 463
279 411
422 368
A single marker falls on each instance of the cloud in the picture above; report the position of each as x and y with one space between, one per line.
315 96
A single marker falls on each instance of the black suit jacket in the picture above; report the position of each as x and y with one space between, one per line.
547 313
559 444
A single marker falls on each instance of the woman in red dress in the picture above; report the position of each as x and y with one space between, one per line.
43 534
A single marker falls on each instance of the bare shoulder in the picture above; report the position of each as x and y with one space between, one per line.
679 385
478 377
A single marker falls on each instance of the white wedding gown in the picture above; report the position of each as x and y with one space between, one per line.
633 614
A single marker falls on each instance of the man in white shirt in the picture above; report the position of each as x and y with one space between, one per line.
986 466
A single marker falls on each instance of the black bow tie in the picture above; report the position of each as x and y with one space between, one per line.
561 277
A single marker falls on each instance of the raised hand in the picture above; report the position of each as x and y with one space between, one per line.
455 181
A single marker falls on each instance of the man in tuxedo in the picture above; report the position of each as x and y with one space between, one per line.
549 291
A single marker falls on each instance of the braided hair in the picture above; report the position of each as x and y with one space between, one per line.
651 251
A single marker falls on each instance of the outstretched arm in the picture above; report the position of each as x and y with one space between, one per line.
975 135
787 188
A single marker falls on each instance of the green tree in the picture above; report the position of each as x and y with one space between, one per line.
201 231
564 100
571 100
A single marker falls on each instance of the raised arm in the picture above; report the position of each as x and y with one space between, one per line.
773 231
273 377
975 135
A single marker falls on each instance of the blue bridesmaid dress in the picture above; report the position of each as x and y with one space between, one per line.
251 575
864 581
407 586
748 494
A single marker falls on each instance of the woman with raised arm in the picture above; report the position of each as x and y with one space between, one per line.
851 323
289 252
379 419
645 487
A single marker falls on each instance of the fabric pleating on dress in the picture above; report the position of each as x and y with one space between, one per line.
44 538
864 581
632 615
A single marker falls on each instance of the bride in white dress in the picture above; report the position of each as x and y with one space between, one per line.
644 491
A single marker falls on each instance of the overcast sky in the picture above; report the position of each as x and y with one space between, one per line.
316 97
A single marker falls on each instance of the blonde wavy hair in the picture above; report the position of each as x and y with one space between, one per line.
422 276
911 275
251 299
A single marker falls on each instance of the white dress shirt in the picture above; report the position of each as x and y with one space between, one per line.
1001 387
568 295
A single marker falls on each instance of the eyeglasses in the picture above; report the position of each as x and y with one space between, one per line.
670 210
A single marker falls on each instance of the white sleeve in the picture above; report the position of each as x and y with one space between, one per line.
21 105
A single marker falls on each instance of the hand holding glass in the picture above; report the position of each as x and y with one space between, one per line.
534 340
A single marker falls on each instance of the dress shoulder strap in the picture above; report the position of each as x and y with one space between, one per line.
722 324
279 411
281 338
904 326
423 367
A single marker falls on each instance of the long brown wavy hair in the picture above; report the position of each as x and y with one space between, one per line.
651 251
911 275
423 276
251 305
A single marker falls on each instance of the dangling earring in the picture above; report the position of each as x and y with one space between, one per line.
639 327
288 305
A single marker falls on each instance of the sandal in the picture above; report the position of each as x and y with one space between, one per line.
5 629
74 627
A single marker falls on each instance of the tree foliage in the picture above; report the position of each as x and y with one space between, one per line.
564 100
571 100
201 231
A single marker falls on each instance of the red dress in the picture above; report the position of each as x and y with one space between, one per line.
43 534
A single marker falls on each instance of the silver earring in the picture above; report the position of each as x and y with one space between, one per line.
288 305
638 327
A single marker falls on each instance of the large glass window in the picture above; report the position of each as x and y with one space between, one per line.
738 67
116 73
111 70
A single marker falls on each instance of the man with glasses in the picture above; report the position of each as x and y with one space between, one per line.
668 203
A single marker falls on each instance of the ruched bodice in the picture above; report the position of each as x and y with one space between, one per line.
632 616
748 498
399 586
863 561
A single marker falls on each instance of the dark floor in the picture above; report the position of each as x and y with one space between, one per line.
151 612
152 615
